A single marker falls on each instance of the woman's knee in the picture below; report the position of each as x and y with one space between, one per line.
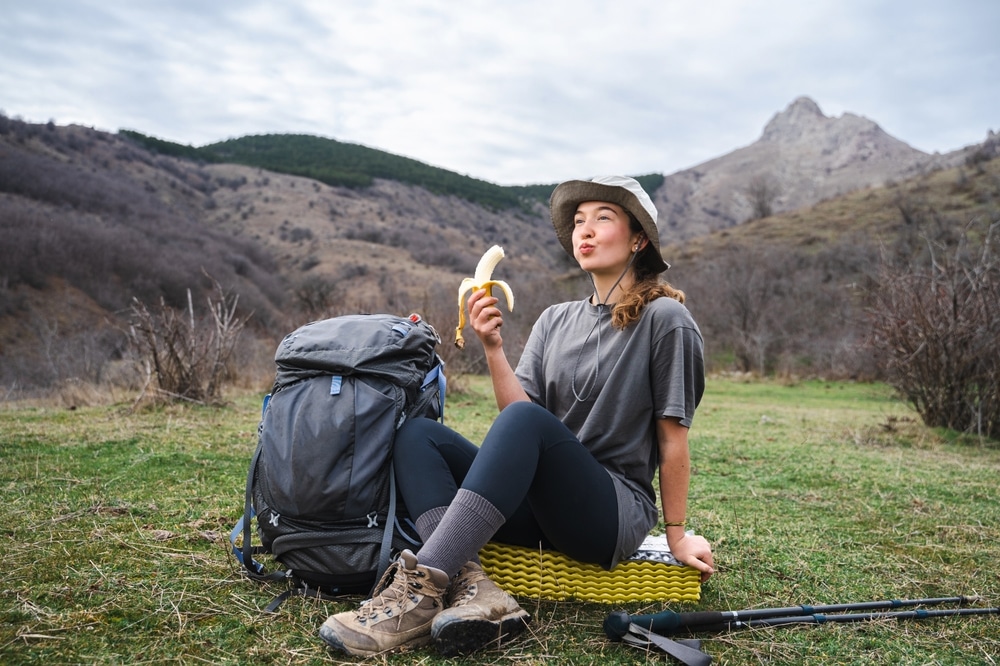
414 435
423 441
527 423
523 415
522 409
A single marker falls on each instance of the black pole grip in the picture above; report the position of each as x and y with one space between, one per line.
664 623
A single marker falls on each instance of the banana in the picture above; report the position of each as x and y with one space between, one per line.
481 280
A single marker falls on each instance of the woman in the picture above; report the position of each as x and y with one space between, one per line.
602 398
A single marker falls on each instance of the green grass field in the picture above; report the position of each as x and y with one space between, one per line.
114 531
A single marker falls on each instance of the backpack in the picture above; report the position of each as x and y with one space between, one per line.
320 482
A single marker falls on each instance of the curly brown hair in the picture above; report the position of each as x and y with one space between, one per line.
647 287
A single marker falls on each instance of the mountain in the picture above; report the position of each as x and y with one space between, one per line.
804 156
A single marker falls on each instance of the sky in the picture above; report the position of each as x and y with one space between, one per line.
511 91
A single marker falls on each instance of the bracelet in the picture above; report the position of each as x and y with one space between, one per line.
682 523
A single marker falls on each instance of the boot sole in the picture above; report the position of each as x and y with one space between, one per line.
333 641
460 637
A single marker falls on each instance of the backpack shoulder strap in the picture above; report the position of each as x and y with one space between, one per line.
437 376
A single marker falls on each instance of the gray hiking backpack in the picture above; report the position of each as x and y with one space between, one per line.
321 480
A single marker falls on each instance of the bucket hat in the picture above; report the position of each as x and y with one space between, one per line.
621 190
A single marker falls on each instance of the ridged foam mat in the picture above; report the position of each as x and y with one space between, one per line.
651 574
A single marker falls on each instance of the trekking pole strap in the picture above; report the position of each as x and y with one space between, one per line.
687 652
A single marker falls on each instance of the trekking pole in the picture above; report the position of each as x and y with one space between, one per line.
822 618
667 622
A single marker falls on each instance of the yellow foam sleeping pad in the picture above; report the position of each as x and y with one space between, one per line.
651 574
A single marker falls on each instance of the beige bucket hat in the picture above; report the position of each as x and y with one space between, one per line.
621 190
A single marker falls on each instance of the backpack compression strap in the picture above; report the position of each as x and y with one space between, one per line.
245 553
385 552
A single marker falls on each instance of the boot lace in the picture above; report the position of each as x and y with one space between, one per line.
397 587
463 589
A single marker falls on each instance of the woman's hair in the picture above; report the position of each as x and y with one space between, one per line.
647 287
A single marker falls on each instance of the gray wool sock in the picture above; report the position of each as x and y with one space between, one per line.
428 521
470 521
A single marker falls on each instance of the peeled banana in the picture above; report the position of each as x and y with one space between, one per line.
481 280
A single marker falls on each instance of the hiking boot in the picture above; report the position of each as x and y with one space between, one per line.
478 612
399 614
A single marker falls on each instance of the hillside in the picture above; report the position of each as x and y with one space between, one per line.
335 163
788 293
350 165
91 220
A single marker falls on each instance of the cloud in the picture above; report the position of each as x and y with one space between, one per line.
512 92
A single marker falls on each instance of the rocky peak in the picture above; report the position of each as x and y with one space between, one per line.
801 115
805 154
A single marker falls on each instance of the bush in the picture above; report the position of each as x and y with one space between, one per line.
188 355
936 330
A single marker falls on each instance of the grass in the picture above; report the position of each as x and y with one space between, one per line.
114 535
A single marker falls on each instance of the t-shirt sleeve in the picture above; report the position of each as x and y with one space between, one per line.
529 370
677 370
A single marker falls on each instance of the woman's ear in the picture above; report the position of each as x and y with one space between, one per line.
640 242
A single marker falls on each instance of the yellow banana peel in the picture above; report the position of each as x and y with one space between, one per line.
482 280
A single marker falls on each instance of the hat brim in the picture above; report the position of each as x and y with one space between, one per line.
568 196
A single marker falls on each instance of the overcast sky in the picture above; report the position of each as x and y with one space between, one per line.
510 91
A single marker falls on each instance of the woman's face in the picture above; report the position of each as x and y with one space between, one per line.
602 237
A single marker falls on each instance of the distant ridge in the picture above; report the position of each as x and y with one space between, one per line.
342 164
803 154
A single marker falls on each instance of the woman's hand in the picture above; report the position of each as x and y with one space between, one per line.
694 550
485 319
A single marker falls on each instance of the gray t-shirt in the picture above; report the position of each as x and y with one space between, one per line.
610 386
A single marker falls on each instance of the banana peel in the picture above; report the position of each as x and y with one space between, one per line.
483 279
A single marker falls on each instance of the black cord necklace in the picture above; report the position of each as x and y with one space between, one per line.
602 307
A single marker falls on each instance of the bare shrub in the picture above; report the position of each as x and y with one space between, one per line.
315 296
188 355
762 191
936 330
781 309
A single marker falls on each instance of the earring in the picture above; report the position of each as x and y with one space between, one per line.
635 248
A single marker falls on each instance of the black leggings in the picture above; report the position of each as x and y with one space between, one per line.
533 469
